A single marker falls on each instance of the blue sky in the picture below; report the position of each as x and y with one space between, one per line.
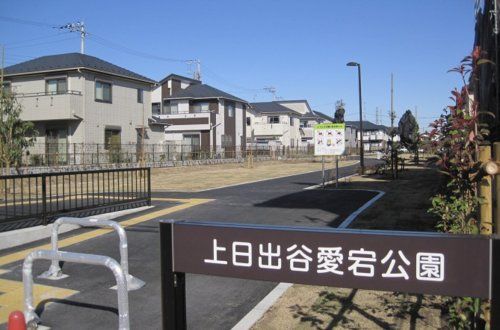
299 47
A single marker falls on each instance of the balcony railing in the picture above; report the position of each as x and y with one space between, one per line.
39 106
36 94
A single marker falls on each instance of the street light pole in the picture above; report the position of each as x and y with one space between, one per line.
361 145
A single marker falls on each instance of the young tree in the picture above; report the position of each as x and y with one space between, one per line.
408 133
15 135
339 111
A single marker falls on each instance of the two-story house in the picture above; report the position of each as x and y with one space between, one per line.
308 118
80 99
272 124
375 137
197 116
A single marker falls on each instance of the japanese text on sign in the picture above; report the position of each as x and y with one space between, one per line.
329 259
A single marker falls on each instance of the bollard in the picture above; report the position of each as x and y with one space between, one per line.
16 321
81 258
55 272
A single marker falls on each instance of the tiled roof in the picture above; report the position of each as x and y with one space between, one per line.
367 125
272 107
71 61
203 91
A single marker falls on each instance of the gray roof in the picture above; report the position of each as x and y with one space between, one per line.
367 125
179 77
203 91
272 107
323 116
70 61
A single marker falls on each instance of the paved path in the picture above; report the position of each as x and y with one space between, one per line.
212 302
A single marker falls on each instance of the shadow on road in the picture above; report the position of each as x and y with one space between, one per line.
340 203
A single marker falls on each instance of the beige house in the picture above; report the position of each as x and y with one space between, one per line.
272 124
76 98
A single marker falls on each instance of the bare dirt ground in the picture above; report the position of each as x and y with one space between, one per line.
403 207
195 178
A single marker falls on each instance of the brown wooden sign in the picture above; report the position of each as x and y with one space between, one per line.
427 263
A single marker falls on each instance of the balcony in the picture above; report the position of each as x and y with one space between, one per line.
307 132
265 129
179 122
44 106
184 115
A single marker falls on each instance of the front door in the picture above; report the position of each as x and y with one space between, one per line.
56 146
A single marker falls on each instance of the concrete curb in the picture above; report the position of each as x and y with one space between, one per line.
258 311
9 239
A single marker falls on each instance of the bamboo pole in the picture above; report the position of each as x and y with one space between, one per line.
485 192
496 200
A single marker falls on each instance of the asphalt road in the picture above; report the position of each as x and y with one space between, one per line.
212 302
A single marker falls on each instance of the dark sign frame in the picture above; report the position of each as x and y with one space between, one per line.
412 262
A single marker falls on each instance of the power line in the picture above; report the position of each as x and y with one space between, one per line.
218 77
26 22
114 45
35 39
41 43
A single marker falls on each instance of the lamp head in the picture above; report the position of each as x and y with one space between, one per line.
352 64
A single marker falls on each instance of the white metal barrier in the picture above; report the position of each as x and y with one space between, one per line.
55 272
81 258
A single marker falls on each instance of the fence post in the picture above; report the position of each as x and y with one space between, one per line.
173 286
149 185
168 152
485 207
44 199
98 154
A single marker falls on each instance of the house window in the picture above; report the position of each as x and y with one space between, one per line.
170 108
55 86
140 95
156 108
230 110
249 121
291 121
6 87
200 107
273 120
102 91
112 138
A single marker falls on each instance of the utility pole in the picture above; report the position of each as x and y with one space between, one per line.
376 116
392 114
1 68
77 27
272 90
416 115
197 71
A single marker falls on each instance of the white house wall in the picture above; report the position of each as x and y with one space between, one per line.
124 112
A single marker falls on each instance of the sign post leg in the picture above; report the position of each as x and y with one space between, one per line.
323 169
336 171
495 285
173 285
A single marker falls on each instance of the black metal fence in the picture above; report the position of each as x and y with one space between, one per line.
37 199
99 154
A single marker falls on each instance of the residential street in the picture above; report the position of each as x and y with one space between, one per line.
212 302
